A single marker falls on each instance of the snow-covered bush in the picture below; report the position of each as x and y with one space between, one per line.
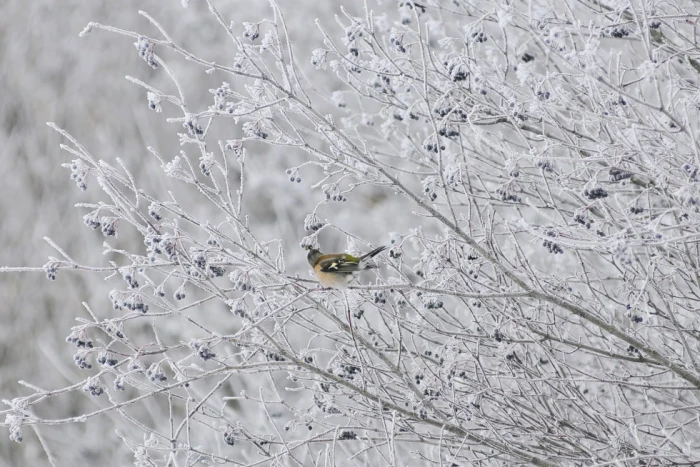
533 167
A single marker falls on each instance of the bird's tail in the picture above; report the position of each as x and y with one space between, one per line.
366 257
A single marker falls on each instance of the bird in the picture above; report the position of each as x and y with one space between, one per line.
338 270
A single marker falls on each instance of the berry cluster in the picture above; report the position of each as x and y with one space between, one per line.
202 350
154 211
498 335
546 166
583 220
312 222
348 371
130 301
220 95
79 341
616 175
119 384
383 86
636 210
94 387
432 145
180 293
15 422
156 245
228 436
154 101
506 195
252 31
619 32
80 359
622 254
240 280
396 39
78 173
237 307
346 435
478 37
199 259
135 365
379 297
92 220
50 269
448 132
109 226
353 31
193 127
332 193
443 109
595 193
409 4
620 100
155 374
128 275
145 48
194 272
114 330
551 246
293 176
692 172
457 70
429 353
205 165
273 357
431 193
106 359
216 271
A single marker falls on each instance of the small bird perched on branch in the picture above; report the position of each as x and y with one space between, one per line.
337 270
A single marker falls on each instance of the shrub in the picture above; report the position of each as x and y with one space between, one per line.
534 170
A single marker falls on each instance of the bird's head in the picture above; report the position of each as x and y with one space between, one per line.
313 255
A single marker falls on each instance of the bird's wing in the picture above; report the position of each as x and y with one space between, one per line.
339 264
